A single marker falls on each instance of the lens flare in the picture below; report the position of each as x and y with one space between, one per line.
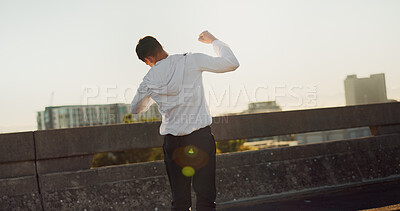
188 171
190 155
191 151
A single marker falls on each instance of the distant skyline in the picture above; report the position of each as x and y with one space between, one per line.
299 49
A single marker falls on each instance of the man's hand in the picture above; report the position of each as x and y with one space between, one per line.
206 37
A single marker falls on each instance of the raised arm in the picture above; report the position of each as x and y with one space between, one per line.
225 60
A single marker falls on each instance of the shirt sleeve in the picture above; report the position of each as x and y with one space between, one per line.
224 62
142 100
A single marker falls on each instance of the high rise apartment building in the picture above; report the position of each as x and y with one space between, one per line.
365 90
69 116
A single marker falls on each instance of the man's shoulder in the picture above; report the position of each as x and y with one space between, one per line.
197 59
164 69
187 55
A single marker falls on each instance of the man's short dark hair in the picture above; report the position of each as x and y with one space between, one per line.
148 46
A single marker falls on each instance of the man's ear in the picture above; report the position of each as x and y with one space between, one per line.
149 60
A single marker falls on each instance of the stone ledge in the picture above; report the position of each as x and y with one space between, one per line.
18 186
17 169
145 185
305 193
17 147
91 140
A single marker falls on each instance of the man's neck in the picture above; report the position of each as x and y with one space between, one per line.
161 56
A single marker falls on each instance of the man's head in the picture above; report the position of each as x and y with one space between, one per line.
150 51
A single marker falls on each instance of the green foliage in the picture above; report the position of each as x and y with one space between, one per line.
152 119
127 156
231 146
128 118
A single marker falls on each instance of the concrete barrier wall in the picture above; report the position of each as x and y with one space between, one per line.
72 149
243 175
51 169
309 167
18 178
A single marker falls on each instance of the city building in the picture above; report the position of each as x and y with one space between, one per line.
69 116
332 135
261 107
365 90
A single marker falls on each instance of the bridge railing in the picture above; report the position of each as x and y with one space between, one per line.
73 148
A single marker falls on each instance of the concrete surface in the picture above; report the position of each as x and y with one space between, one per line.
381 196
19 193
302 121
16 147
50 169
18 180
89 140
242 175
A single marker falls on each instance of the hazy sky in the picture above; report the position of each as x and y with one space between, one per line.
305 48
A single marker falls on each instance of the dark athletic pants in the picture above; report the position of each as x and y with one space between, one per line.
196 150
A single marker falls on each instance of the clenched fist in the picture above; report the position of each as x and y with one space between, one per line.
206 37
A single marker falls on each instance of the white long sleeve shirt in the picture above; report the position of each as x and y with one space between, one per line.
175 84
